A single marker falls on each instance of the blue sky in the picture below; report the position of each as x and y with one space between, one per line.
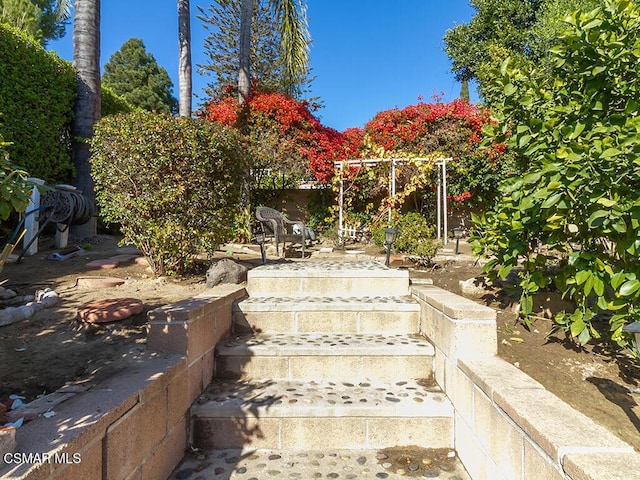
367 55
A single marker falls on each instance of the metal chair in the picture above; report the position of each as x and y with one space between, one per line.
275 225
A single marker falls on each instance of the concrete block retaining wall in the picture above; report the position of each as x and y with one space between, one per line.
135 425
507 425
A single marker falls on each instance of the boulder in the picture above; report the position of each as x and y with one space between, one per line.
109 310
226 271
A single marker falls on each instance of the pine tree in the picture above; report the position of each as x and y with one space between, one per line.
222 20
134 74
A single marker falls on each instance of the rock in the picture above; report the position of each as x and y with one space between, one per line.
3 414
37 306
7 440
109 310
27 311
6 316
226 271
47 297
474 287
18 313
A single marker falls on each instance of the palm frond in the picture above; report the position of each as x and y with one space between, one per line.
295 38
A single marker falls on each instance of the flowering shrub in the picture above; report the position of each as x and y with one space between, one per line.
449 130
288 144
283 134
426 127
415 236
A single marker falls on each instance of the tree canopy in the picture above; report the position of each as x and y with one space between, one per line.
134 74
523 30
40 19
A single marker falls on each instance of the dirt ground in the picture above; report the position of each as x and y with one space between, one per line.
40 354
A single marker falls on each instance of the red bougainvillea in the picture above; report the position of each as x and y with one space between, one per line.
419 128
301 135
285 134
451 129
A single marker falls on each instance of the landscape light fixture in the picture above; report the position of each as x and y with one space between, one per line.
260 241
458 232
390 235
635 329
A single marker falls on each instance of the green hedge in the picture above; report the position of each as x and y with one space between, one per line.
37 93
175 185
111 103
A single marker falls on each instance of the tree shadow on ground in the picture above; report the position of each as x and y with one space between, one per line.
619 395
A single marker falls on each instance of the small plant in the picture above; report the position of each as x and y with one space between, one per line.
415 237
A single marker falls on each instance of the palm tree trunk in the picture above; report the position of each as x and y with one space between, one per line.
86 57
244 73
184 68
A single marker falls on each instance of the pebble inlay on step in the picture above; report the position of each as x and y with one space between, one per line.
312 344
390 463
336 303
323 266
310 398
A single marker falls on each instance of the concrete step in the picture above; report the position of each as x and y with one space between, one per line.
327 279
315 356
323 414
367 314
391 463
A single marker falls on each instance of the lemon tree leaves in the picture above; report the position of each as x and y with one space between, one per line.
572 217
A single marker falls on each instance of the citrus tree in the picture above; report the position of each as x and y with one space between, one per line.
572 219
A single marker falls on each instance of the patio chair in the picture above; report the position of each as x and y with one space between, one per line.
275 225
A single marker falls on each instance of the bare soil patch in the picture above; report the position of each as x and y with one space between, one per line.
40 354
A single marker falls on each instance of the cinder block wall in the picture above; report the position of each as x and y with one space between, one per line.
508 426
135 425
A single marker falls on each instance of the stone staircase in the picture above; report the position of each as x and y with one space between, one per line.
324 376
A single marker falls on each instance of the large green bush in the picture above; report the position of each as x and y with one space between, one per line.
573 217
37 93
173 184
